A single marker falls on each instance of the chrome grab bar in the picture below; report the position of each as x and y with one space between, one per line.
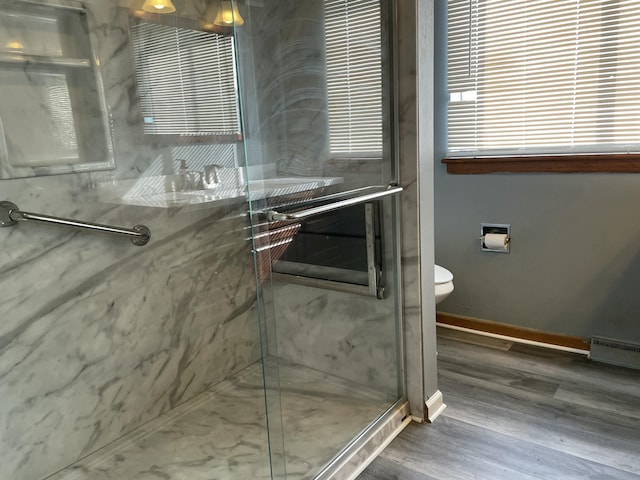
10 214
275 216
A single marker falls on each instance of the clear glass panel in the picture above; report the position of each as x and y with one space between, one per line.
120 361
129 362
328 282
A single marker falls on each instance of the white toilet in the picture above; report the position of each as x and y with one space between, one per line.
444 283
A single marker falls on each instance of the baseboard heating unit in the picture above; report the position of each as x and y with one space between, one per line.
616 352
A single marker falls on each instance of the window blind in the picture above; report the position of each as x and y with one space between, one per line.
543 77
354 77
186 80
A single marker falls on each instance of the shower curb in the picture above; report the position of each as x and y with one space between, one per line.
368 445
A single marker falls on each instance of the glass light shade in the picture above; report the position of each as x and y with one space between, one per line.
14 45
227 16
158 6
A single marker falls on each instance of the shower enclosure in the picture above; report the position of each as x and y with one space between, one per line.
252 328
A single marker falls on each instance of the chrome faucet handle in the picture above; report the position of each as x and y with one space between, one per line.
212 169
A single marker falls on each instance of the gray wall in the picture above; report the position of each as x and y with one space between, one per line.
574 267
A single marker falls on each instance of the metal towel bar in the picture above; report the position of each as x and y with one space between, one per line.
10 214
274 216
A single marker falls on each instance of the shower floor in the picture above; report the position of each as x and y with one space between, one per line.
221 434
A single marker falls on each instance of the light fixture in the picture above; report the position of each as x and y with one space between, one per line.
14 45
227 16
158 6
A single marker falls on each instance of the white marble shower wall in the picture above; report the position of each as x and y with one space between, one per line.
283 75
349 336
98 336
341 334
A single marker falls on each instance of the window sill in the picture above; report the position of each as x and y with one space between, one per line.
602 163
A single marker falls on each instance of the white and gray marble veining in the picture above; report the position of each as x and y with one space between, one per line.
350 336
99 336
218 434
97 345
318 328
285 41
54 117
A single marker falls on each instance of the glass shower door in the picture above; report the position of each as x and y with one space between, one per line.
316 91
119 359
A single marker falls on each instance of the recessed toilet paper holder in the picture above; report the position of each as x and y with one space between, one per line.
497 229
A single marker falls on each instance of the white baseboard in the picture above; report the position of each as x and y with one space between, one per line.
435 406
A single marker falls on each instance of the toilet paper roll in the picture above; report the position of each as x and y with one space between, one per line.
496 241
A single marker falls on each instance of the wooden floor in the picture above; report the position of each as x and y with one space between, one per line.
520 412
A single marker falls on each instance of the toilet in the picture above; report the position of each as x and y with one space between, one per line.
444 283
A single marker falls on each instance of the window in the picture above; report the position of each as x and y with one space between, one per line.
186 82
543 79
354 77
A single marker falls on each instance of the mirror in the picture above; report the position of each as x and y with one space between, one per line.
186 81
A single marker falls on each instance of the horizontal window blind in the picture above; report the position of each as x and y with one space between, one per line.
354 77
186 80
543 77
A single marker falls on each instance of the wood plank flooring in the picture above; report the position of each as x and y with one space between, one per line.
520 412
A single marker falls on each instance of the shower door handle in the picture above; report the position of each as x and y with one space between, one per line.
10 214
275 216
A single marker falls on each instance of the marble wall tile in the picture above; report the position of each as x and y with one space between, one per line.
222 434
99 336
286 41
349 336
358 173
99 340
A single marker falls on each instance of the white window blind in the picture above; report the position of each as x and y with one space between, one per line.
354 77
186 80
543 77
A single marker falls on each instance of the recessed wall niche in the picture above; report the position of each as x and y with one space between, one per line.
53 114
